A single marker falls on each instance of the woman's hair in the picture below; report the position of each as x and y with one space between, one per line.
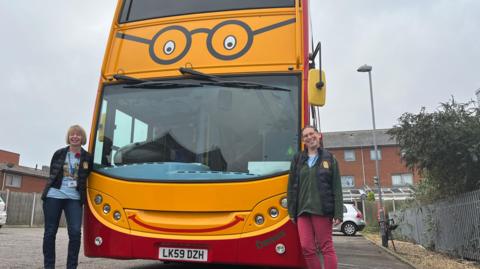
79 129
308 126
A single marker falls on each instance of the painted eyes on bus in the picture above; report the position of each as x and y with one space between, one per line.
227 40
169 47
230 42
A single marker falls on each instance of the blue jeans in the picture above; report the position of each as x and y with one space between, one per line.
52 210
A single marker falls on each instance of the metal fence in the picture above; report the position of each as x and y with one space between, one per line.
450 226
25 209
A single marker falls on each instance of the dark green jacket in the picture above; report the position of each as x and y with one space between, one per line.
329 184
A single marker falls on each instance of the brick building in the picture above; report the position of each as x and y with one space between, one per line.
355 154
15 177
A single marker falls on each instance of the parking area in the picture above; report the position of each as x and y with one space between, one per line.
22 248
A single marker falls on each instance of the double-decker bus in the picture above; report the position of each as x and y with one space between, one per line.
197 117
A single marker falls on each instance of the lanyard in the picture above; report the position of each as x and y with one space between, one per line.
71 164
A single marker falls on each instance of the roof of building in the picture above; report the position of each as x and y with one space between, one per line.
11 152
353 139
23 170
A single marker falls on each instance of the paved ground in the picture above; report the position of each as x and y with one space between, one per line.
22 248
359 253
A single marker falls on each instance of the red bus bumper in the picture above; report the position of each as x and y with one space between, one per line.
257 250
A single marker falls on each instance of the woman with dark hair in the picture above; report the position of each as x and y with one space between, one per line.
65 191
315 200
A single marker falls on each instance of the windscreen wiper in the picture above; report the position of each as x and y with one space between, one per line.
217 81
197 74
152 84
163 85
128 79
245 85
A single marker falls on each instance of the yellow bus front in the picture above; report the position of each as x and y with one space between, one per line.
197 118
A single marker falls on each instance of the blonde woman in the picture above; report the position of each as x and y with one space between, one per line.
65 191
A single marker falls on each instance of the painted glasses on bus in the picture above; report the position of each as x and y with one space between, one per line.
235 128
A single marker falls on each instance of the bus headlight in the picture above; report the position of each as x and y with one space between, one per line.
117 215
98 199
273 212
284 202
259 219
106 208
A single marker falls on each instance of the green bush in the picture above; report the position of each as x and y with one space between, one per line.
444 147
371 196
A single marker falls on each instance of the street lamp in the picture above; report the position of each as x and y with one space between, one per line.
478 96
383 232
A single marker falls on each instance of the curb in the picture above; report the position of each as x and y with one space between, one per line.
23 226
387 250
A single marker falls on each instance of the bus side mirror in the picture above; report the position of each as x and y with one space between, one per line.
316 92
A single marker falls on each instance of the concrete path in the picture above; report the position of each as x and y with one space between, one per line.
356 252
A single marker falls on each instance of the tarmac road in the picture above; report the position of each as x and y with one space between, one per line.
22 248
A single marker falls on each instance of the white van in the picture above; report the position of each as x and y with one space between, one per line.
3 213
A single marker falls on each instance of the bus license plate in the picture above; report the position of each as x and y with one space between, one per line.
183 254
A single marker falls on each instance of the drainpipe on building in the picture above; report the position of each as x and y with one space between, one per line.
3 182
6 200
363 168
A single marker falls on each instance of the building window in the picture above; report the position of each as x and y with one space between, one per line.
372 154
402 179
348 181
349 155
13 181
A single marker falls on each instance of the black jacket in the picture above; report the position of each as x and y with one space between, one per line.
56 172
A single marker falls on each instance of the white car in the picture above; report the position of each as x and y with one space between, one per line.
3 213
352 221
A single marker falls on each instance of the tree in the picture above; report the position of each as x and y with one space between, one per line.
444 146
371 196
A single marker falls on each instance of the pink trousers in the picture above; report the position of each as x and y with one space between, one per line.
315 234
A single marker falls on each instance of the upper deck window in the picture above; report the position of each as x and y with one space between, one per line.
137 10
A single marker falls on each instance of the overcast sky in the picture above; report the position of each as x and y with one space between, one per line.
422 53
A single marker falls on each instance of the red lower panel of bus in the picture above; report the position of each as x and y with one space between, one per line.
258 250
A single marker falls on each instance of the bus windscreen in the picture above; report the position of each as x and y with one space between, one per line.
202 132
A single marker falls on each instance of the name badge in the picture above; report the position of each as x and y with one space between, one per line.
72 184
85 165
325 165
